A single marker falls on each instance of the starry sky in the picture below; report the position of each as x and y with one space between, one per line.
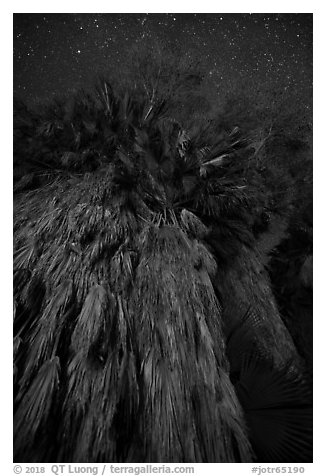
55 53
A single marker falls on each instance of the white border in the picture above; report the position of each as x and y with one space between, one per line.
319 200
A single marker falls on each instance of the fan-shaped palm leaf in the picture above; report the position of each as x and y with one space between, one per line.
278 409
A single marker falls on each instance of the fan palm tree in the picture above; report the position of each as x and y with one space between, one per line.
143 309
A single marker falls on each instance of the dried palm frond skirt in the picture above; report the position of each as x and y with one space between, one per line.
133 343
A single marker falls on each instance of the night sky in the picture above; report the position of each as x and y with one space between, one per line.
57 53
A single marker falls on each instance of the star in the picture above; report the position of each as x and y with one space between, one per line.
232 43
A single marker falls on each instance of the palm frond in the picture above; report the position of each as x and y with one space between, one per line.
45 334
36 407
193 225
278 409
251 317
93 322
